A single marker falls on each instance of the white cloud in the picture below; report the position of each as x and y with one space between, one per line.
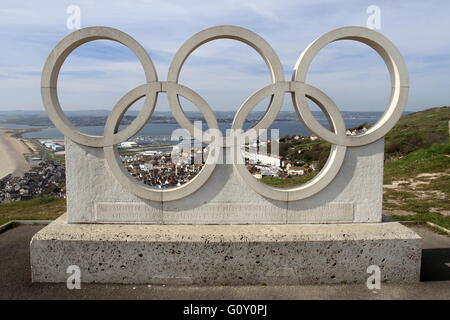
225 73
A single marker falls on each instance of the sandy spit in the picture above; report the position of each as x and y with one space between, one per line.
12 152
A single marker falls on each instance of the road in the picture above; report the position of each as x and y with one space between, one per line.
15 280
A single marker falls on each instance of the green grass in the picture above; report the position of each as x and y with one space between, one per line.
437 230
423 201
418 130
418 205
419 143
289 182
317 150
60 158
127 152
436 218
430 160
45 208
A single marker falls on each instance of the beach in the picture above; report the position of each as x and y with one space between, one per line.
12 150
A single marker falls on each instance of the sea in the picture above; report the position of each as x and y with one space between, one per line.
352 119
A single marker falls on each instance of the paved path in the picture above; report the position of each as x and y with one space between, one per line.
15 282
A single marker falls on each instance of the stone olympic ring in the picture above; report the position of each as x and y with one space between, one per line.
299 90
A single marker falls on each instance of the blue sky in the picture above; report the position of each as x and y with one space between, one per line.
223 72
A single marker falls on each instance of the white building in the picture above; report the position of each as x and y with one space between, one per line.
255 158
57 147
296 171
52 145
150 153
268 171
128 144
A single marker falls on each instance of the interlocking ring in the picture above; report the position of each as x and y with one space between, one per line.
50 75
399 84
115 163
235 33
299 90
335 159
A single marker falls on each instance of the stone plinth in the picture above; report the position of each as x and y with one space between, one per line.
95 196
223 227
225 255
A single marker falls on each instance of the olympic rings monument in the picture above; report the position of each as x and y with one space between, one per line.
224 227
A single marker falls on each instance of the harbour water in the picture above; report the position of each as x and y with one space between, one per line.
165 129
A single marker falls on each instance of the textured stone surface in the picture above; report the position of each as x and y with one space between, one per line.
355 195
233 254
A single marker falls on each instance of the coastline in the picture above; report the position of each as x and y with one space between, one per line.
12 153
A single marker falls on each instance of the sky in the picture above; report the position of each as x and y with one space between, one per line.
223 72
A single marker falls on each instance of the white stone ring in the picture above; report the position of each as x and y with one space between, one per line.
299 90
50 75
235 33
399 84
113 158
335 159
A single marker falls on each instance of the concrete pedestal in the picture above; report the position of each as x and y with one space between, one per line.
225 255
94 195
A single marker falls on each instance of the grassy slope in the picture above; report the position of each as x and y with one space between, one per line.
36 209
288 183
418 130
435 158
429 196
419 144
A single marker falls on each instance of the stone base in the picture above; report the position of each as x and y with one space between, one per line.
94 195
226 255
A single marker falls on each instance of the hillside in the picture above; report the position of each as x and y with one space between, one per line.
417 168
416 172
418 130
36 209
